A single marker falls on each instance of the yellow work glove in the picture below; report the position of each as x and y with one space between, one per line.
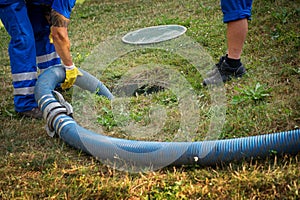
71 74
50 37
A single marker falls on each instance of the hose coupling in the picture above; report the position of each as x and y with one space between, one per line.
55 109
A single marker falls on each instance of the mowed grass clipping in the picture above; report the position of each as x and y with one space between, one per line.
266 100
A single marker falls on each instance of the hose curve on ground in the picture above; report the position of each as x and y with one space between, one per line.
146 153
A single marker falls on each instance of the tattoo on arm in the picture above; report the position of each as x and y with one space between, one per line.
58 20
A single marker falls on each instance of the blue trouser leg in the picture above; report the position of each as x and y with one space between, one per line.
22 54
45 51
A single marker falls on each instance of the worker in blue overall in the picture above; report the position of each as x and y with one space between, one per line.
39 39
236 14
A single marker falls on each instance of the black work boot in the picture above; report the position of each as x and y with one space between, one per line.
222 72
34 113
216 68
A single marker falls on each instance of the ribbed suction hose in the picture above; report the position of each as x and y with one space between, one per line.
146 154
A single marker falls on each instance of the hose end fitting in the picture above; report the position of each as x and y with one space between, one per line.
55 109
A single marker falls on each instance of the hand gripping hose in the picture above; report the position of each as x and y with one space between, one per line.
146 153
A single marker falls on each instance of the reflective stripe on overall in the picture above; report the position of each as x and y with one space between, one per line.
45 51
29 46
22 54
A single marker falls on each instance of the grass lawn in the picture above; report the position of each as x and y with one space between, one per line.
265 100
